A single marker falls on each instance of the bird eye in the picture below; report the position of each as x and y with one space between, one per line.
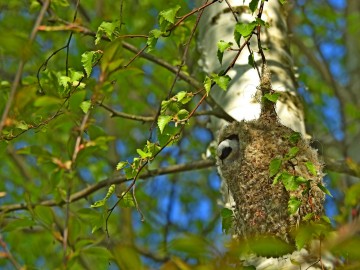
228 148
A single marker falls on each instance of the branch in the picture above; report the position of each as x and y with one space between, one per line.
219 111
197 165
115 113
340 166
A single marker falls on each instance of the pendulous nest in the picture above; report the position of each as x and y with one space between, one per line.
262 207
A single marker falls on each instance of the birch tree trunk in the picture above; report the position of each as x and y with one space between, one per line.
241 100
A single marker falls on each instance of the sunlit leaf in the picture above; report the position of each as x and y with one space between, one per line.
102 202
275 165
222 81
127 200
222 47
143 154
245 29
85 106
293 205
153 38
253 5
207 84
168 16
163 120
289 181
269 246
251 60
109 29
89 59
227 216
324 189
273 97
121 165
292 152
310 167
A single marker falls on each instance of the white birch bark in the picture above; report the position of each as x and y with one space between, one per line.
240 100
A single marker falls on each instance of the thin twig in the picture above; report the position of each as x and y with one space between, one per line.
9 255
115 113
258 33
196 165
191 13
232 11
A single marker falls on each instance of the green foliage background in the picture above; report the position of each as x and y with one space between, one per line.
42 163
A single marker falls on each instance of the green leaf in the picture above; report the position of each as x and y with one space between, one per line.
293 205
207 84
292 152
89 59
277 178
153 38
244 29
45 101
253 5
98 203
168 16
143 154
163 120
303 236
324 189
227 216
275 165
273 97
222 81
181 95
326 219
310 167
289 181
64 81
44 215
127 201
222 47
269 246
85 106
130 172
182 114
294 137
283 2
17 224
21 125
109 29
102 202
251 60
262 23
308 217
121 165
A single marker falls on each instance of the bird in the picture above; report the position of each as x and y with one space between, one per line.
227 149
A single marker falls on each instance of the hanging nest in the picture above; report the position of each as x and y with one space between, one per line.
273 174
